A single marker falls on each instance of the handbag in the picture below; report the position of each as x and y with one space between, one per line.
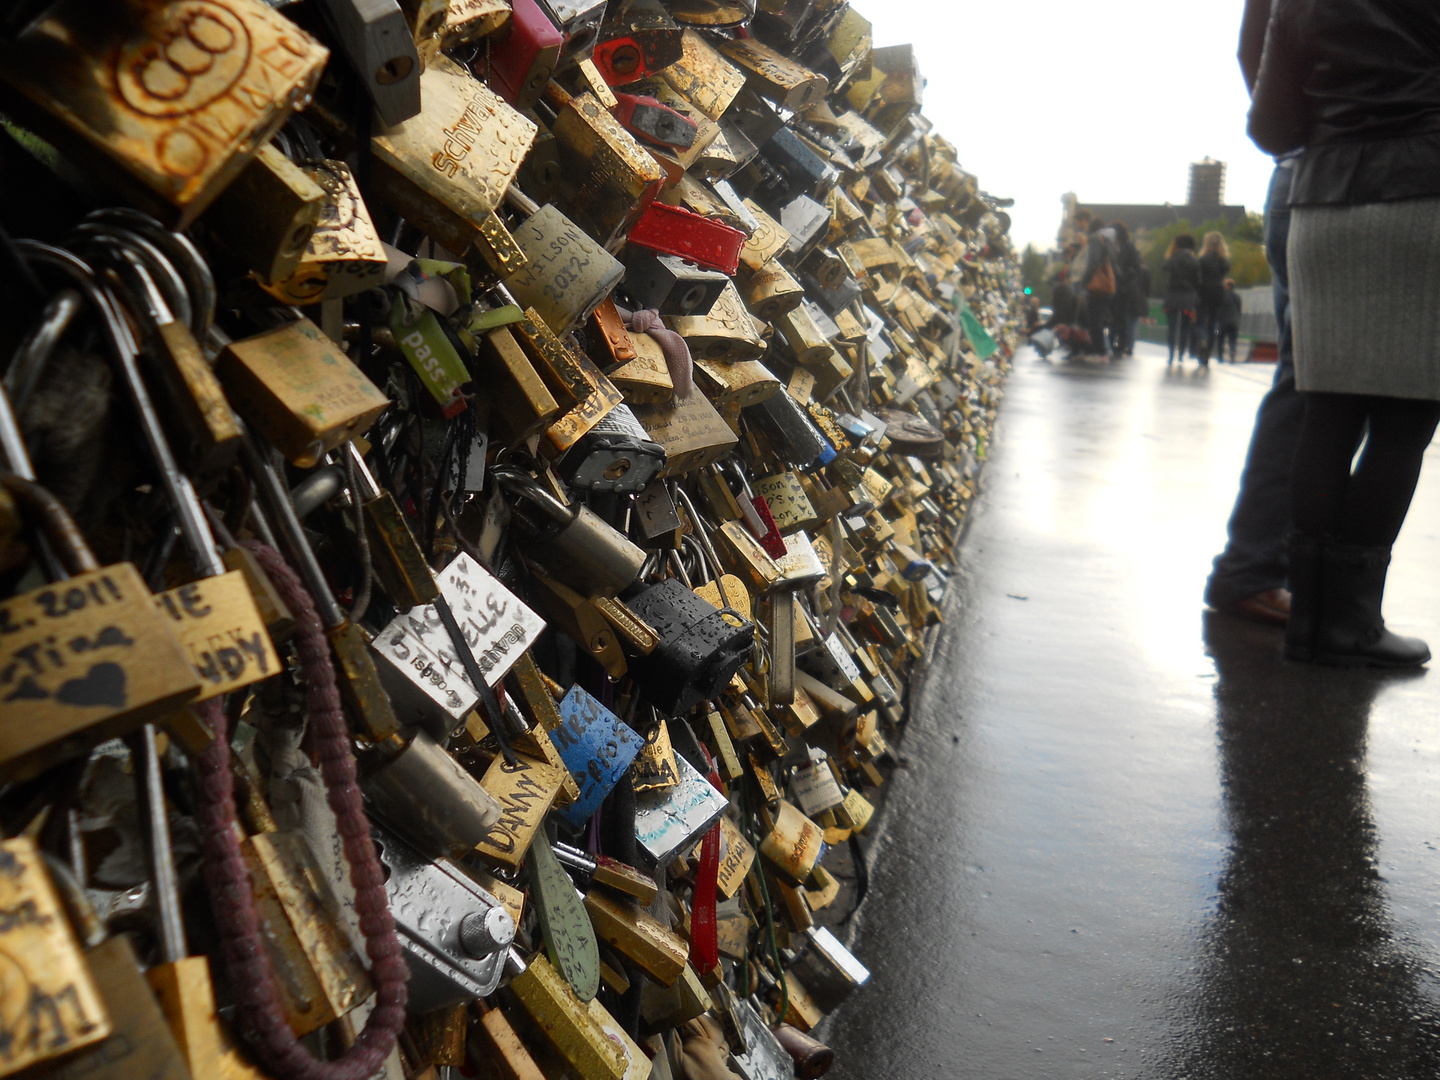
1103 280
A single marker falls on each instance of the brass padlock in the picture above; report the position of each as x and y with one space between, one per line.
775 76
607 178
298 390
568 1026
703 77
85 659
344 254
51 992
645 378
521 403
771 291
691 431
727 332
569 373
268 214
447 169
167 101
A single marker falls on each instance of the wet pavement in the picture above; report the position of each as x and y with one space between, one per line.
1129 840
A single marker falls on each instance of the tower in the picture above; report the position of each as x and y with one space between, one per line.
1207 183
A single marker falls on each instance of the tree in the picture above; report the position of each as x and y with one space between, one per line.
1032 272
1245 239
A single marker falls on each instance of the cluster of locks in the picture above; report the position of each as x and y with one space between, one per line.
477 477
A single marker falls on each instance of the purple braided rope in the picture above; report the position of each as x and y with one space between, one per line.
675 348
258 1009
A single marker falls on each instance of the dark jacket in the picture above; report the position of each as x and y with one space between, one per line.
1357 84
1129 287
1182 287
1213 270
1231 308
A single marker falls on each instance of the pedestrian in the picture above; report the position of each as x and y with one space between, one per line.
1229 319
1131 288
1249 577
1214 266
1100 286
1182 295
1357 84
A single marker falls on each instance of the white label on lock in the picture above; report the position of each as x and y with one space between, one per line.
765 1059
496 625
441 680
815 789
671 820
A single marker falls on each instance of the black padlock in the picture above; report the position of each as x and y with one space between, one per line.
699 648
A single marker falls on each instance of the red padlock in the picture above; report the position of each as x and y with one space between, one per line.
650 119
520 67
673 230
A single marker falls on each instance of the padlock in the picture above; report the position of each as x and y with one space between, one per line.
574 543
814 786
727 332
446 170
167 102
673 230
425 688
567 1025
470 20
210 430
579 21
771 291
736 385
645 379
53 994
299 390
766 242
380 46
140 1043
344 255
671 822
520 64
421 790
703 77
691 431
597 747
525 791
267 215
586 395
792 433
521 403
607 178
608 872
616 455
698 652
85 659
638 936
426 20
319 975
637 40
454 934
669 284
788 84
653 121
807 222
567 274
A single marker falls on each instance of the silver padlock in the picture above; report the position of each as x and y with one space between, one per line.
380 46
423 791
456 936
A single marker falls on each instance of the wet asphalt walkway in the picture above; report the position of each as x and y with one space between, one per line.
1129 840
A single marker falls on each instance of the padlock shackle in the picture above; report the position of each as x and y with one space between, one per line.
28 363
183 500
140 265
179 252
519 484
53 522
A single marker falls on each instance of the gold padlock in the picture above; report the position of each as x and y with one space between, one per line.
50 990
645 379
774 75
691 431
447 169
299 390
521 405
525 792
85 659
167 101
771 291
344 254
703 77
727 332
268 214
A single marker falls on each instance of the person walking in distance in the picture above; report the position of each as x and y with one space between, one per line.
1214 266
1130 301
1250 575
1231 308
1100 286
1357 84
1182 294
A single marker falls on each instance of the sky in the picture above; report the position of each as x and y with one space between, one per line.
1111 99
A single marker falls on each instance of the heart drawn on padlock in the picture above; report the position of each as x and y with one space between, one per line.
103 684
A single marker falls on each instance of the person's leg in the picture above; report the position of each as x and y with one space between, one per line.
1329 436
1378 495
1172 334
1187 334
1254 563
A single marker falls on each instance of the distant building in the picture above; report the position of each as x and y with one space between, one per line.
1205 203
1207 183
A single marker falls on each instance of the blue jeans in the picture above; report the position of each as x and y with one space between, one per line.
1254 559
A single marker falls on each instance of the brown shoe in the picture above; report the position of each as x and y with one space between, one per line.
1271 607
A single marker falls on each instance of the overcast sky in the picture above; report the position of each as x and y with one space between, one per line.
1111 99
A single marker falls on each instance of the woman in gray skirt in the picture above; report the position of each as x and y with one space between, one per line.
1356 83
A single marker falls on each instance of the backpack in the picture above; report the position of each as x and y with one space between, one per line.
1102 278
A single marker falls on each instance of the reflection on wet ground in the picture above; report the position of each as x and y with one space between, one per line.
1129 839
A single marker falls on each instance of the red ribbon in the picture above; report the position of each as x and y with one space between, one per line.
704 938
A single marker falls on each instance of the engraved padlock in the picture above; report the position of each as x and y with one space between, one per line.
268 214
343 255
567 274
165 101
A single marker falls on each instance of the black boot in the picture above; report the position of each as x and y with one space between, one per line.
1305 571
1350 631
